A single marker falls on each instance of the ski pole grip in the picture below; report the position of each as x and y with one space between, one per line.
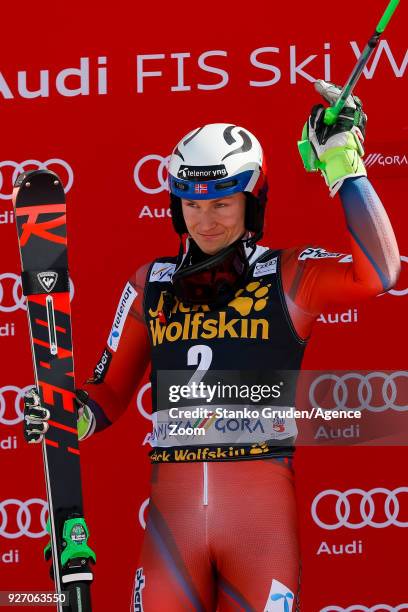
330 115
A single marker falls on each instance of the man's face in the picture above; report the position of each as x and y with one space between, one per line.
215 224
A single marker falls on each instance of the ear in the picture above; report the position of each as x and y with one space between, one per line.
177 214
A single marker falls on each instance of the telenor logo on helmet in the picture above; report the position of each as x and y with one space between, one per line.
198 173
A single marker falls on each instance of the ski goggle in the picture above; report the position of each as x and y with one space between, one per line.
213 281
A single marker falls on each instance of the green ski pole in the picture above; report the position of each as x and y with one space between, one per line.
331 113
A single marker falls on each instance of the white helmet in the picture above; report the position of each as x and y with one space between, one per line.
215 160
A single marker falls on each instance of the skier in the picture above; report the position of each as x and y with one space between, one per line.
221 531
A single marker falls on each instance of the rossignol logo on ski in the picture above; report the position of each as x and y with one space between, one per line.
198 173
47 280
43 229
196 324
140 582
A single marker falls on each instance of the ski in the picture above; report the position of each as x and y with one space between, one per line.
40 213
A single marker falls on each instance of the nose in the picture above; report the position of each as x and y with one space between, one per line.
207 221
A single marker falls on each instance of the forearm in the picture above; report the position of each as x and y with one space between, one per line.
376 261
94 420
109 395
123 361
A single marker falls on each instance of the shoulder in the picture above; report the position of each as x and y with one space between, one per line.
308 253
160 269
260 254
302 263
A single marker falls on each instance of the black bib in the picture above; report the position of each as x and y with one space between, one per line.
251 337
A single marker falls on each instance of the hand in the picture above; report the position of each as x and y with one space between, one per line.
36 416
86 418
336 150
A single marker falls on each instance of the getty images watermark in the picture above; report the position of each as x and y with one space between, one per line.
220 393
227 407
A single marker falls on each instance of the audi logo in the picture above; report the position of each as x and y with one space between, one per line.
18 404
161 175
19 518
11 292
360 608
386 502
18 299
142 512
139 401
398 292
339 390
61 167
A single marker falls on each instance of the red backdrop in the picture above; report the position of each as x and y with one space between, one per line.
77 93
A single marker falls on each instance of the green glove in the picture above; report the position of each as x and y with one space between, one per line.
86 420
336 150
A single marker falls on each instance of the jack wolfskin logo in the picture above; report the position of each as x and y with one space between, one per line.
256 298
47 280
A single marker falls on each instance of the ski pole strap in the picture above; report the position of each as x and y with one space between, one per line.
45 281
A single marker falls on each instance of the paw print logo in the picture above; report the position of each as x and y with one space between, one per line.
257 298
259 449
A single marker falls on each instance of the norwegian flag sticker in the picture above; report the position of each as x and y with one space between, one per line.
201 188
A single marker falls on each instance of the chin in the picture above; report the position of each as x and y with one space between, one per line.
210 250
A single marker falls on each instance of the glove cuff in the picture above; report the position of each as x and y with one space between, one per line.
86 423
339 163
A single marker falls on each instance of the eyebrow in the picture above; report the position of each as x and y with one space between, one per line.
215 200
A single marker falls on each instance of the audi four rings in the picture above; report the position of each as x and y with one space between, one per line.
360 608
364 512
340 390
18 404
23 517
16 300
31 164
162 180
16 293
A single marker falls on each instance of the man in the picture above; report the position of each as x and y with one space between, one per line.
221 532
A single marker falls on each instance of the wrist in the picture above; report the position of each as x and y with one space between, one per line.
85 423
338 163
